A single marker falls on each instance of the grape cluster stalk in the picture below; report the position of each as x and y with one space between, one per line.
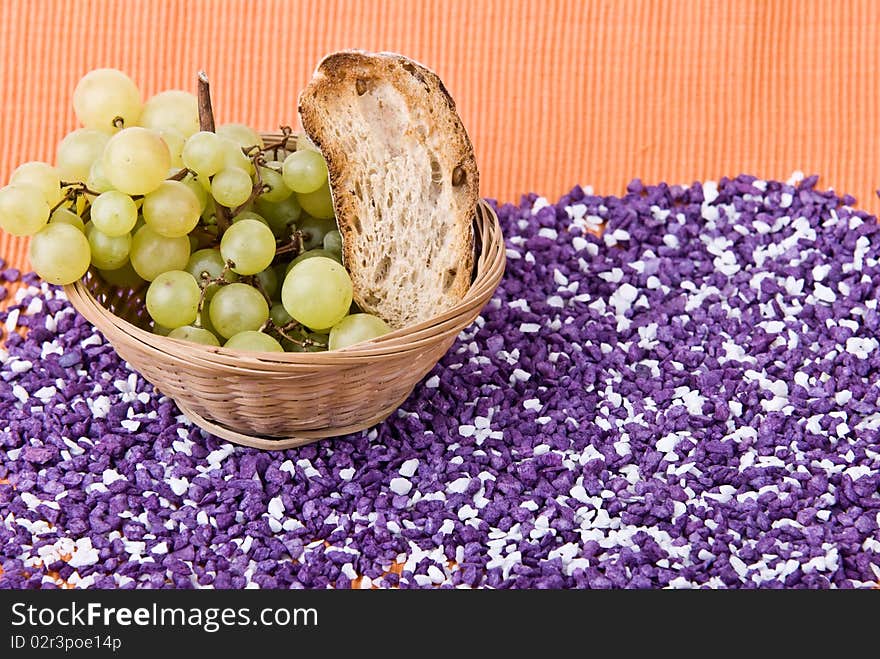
235 241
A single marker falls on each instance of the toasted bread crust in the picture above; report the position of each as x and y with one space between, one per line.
400 111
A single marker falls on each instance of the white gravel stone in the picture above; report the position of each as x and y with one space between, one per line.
821 271
467 430
459 485
20 366
84 554
861 347
178 485
824 294
435 574
409 468
276 508
401 486
110 476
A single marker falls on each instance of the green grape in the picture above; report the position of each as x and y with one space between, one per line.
280 215
203 153
312 253
203 320
318 203
114 213
231 187
107 100
197 189
233 156
269 281
356 328
209 212
207 264
136 161
41 175
237 308
60 253
304 171
279 315
64 216
252 341
276 191
124 277
160 330
194 334
173 299
242 135
172 209
96 180
333 241
317 292
174 141
250 246
108 252
152 254
313 230
77 151
23 209
249 215
280 269
175 109
303 143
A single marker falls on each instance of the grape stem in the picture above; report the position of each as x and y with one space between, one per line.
206 123
205 282
294 246
71 193
78 187
180 175
201 305
286 134
206 112
304 342
66 198
259 188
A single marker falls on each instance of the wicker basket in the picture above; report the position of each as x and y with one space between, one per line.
282 400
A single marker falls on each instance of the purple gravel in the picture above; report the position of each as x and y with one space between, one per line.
690 401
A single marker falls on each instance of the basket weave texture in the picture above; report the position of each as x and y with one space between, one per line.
283 400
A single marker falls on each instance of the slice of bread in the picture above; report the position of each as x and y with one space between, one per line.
404 181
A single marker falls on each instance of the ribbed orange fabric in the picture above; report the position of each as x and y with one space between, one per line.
553 92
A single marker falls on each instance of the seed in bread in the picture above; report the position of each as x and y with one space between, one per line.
404 181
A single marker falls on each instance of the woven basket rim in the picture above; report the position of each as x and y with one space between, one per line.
489 264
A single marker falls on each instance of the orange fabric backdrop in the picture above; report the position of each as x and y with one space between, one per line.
553 92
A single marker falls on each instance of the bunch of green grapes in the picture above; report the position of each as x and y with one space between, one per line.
236 243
